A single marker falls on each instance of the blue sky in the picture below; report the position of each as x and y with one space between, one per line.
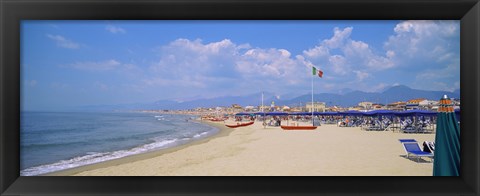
74 63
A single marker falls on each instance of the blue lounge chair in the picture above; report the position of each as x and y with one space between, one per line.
412 148
407 140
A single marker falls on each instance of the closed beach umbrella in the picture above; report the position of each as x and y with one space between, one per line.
447 141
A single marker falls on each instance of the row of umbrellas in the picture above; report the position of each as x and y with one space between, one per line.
351 113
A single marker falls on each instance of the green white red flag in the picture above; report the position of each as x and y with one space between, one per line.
316 71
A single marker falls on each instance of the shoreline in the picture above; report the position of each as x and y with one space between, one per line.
223 131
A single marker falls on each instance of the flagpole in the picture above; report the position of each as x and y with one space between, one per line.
263 111
312 99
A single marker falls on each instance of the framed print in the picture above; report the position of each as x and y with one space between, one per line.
200 97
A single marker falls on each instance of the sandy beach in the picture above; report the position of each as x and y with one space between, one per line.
256 151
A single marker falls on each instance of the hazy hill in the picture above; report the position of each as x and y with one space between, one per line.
345 98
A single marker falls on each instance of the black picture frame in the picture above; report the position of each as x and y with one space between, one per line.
13 11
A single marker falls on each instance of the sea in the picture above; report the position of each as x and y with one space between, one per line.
54 141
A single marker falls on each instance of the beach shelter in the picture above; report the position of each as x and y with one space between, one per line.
300 113
416 113
378 113
325 113
351 113
244 114
277 113
447 141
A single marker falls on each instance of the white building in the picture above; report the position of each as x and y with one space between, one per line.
317 107
427 104
366 105
249 108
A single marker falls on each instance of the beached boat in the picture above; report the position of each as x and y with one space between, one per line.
240 125
298 127
217 119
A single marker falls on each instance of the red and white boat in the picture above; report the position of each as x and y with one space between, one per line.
240 125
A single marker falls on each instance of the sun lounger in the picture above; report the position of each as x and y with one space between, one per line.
412 148
407 140
409 130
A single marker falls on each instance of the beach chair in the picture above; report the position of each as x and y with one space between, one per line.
407 140
412 148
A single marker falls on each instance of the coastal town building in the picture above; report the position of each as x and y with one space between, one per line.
332 109
414 104
277 108
456 102
396 106
421 103
250 108
357 108
427 104
366 105
297 109
377 106
265 108
236 108
317 107
286 109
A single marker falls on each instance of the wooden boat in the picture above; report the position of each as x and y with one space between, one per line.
298 127
240 125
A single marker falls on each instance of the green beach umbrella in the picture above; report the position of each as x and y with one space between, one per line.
447 141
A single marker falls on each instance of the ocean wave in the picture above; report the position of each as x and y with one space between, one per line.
96 157
170 138
201 134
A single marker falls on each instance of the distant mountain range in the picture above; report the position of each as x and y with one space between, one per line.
344 98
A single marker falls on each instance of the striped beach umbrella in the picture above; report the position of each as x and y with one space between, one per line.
447 141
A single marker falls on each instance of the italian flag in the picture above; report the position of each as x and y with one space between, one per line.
315 72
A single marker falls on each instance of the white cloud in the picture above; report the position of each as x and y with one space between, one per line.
344 57
361 75
339 38
390 54
96 66
424 39
316 52
266 62
184 56
338 64
63 42
223 64
423 49
114 29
